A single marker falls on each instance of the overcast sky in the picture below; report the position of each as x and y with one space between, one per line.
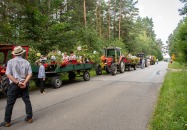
164 13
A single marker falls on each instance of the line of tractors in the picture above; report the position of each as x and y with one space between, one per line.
112 61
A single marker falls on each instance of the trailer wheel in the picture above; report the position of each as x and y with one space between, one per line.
121 67
71 76
113 69
98 70
56 82
86 76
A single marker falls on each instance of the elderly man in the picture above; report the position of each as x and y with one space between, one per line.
19 72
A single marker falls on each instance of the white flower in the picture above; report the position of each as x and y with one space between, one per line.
79 48
94 52
53 58
58 52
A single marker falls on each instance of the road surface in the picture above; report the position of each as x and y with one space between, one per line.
121 102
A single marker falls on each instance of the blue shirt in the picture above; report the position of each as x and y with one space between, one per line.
19 68
41 72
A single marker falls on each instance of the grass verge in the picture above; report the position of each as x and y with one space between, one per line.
177 65
171 110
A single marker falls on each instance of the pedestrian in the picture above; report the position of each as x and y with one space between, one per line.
41 76
19 73
157 61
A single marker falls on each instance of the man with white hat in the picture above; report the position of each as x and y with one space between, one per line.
19 73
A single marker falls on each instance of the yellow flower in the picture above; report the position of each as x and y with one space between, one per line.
38 54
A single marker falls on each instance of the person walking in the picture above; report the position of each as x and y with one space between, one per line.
41 76
19 73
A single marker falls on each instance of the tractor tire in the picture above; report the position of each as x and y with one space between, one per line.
4 84
71 75
98 70
122 67
113 69
56 82
86 76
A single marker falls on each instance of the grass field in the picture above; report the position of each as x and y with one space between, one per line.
171 110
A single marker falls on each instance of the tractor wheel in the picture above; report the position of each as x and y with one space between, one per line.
4 84
71 75
121 67
56 82
113 69
86 76
98 70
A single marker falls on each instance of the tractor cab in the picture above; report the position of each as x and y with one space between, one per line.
113 54
6 53
141 55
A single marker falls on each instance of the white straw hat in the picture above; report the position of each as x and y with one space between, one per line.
18 50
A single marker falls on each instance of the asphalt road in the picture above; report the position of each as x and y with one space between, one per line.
122 102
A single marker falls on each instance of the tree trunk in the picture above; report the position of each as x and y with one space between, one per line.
119 33
99 15
49 12
61 9
96 16
84 13
109 20
114 24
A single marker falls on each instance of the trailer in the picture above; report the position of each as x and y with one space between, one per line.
130 63
53 73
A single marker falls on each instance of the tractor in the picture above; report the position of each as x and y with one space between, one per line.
143 60
112 61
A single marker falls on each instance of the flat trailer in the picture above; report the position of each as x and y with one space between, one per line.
129 65
73 70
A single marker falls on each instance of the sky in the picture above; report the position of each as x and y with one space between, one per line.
164 13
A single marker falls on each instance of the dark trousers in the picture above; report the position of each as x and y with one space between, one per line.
12 94
42 85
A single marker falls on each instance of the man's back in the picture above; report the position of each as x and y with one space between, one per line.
19 68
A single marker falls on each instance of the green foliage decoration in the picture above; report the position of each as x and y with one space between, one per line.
32 55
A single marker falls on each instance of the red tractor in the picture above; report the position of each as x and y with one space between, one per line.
5 55
112 61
